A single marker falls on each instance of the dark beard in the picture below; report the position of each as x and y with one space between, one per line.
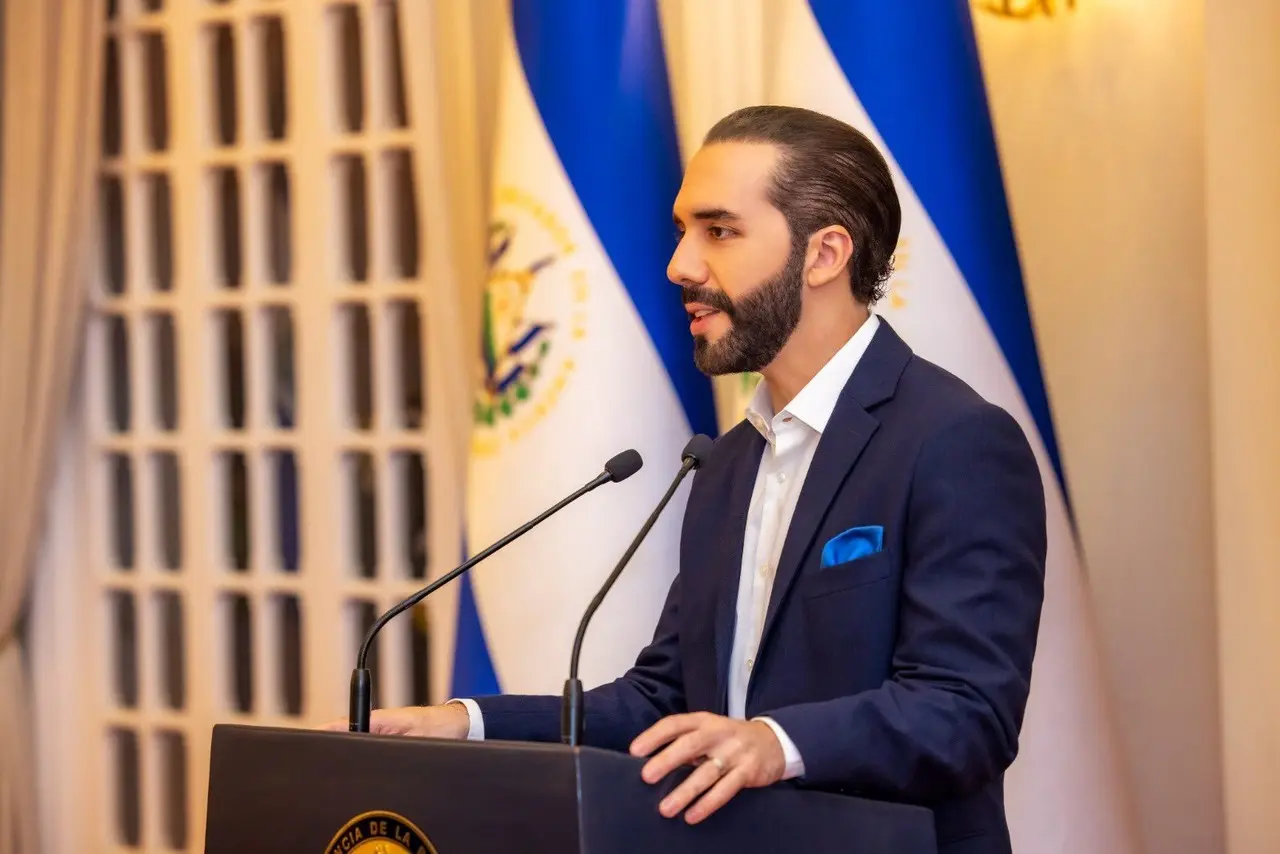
762 321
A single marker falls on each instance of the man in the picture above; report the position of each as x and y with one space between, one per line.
862 559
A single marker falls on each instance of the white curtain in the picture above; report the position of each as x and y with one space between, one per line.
50 148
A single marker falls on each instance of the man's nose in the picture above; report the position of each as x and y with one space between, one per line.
685 267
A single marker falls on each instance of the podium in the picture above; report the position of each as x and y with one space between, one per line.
313 792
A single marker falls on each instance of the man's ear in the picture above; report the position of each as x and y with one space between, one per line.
830 251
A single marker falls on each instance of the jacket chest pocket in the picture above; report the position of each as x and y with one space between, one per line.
849 613
844 576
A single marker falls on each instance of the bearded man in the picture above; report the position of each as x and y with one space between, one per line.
862 559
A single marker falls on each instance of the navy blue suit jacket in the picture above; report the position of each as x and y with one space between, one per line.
901 675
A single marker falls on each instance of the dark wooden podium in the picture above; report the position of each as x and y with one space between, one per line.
312 792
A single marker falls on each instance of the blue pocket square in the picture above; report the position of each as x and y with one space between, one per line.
852 544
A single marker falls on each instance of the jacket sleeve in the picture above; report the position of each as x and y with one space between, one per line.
616 712
947 720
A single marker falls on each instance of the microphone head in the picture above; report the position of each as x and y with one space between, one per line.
624 465
697 449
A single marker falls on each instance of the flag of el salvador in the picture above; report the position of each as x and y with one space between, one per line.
586 349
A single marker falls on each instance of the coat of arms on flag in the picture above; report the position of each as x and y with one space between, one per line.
534 310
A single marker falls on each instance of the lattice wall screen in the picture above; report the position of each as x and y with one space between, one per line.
258 372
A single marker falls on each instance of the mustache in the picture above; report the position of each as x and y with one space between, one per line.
709 297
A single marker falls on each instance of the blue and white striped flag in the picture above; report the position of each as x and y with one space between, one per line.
586 349
911 81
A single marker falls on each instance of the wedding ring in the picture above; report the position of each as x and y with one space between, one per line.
719 763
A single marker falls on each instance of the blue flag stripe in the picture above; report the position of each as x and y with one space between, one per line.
473 671
599 81
919 78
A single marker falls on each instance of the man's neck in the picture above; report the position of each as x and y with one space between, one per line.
807 352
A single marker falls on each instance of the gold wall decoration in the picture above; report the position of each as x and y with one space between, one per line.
1024 9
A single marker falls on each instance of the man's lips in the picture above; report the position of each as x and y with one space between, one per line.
700 316
698 309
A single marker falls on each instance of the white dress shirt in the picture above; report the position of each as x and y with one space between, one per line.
792 438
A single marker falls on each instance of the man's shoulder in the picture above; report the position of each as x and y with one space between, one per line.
901 386
947 418
929 385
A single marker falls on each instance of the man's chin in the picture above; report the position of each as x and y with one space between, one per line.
711 359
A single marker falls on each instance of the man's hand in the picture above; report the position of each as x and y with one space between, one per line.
448 721
731 755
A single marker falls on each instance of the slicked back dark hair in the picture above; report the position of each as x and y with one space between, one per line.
828 173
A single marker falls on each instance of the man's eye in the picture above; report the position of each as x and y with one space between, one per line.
718 232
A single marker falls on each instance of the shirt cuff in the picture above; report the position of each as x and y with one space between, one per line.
795 763
475 731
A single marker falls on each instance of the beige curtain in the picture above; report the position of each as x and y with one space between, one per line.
452 161
50 147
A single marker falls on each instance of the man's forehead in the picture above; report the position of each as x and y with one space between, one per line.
728 175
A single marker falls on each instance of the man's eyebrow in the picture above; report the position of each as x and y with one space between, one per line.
711 214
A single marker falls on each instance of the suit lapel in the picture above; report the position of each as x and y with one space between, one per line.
846 436
741 486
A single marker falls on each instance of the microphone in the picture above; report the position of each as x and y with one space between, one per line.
617 469
571 710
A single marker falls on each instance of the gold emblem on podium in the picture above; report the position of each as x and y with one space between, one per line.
380 832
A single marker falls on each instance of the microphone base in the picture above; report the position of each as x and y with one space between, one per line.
361 700
572 713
